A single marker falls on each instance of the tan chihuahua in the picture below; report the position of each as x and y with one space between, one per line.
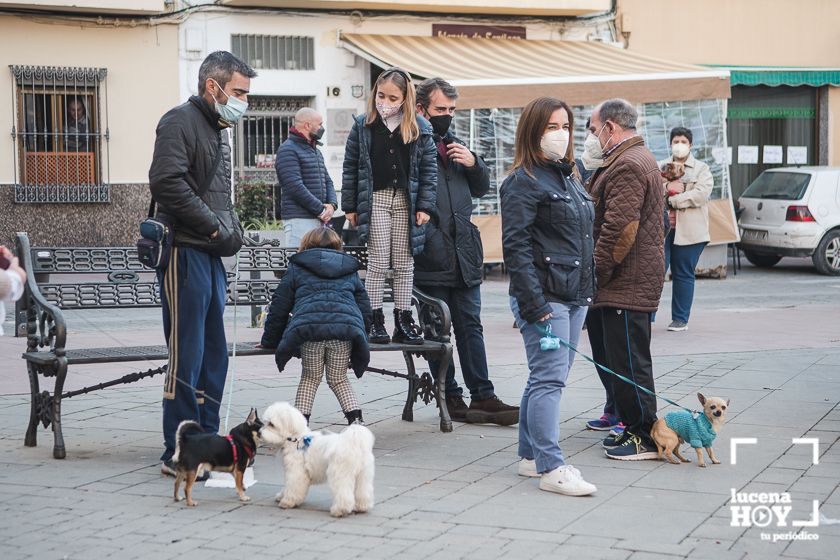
680 427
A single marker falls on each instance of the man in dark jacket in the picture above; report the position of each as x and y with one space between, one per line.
307 192
629 268
449 268
190 180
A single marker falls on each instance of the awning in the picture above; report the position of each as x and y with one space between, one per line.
762 76
509 73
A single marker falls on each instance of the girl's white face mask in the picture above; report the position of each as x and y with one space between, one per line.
554 144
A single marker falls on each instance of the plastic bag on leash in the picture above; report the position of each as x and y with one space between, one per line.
225 480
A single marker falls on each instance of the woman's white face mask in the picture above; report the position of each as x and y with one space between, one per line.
680 150
554 144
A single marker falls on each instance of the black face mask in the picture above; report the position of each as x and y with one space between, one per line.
441 124
318 133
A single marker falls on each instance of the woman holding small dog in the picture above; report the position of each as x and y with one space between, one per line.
320 312
547 220
688 200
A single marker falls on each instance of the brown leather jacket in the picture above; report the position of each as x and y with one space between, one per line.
629 229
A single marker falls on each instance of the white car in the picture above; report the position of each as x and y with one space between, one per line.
792 212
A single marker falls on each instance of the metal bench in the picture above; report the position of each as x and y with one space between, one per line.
112 278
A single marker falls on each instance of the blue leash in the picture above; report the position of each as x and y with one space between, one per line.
546 331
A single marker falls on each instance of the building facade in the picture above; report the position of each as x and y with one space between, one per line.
83 84
784 68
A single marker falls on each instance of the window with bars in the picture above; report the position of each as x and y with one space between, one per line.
275 52
58 134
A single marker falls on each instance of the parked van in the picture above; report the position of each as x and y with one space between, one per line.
792 212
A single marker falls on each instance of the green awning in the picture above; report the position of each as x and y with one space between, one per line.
769 76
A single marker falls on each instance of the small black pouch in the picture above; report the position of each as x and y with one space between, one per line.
155 242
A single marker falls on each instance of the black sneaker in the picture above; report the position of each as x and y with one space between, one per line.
614 440
168 468
632 449
678 326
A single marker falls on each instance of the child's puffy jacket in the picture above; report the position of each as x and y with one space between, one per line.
321 297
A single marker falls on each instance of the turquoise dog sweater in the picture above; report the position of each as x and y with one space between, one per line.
697 432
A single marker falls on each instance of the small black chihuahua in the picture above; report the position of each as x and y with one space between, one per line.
196 451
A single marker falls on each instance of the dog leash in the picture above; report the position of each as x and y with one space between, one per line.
547 332
233 356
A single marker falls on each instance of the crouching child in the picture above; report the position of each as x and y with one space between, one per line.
320 313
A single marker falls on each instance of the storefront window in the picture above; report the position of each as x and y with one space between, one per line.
491 132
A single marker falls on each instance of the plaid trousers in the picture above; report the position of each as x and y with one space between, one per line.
389 245
334 356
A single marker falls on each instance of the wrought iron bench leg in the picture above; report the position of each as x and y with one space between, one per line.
59 452
440 388
413 388
31 438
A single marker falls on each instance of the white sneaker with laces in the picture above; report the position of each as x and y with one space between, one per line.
528 467
566 480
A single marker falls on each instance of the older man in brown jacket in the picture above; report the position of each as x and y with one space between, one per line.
629 233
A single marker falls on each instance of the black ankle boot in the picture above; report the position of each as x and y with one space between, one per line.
378 334
307 418
354 417
406 331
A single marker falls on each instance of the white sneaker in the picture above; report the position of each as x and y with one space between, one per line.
528 467
566 480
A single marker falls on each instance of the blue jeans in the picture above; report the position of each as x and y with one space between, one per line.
539 412
295 228
465 307
193 291
682 260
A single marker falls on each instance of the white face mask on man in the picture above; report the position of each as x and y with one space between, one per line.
554 144
592 156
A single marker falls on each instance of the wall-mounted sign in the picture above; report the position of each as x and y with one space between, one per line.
772 154
747 154
478 31
797 155
338 125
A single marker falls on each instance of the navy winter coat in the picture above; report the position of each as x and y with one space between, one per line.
305 184
547 239
357 179
321 297
453 255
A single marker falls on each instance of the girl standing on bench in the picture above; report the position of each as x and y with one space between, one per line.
320 313
388 192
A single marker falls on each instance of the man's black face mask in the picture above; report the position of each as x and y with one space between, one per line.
441 124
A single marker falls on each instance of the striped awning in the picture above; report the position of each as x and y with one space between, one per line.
511 72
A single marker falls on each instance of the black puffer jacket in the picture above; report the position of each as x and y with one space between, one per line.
188 138
327 301
357 179
547 239
453 255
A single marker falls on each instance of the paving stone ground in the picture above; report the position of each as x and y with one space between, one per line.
769 341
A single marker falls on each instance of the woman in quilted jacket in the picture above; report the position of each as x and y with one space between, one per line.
388 191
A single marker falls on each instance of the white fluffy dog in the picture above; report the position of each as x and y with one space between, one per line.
344 460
